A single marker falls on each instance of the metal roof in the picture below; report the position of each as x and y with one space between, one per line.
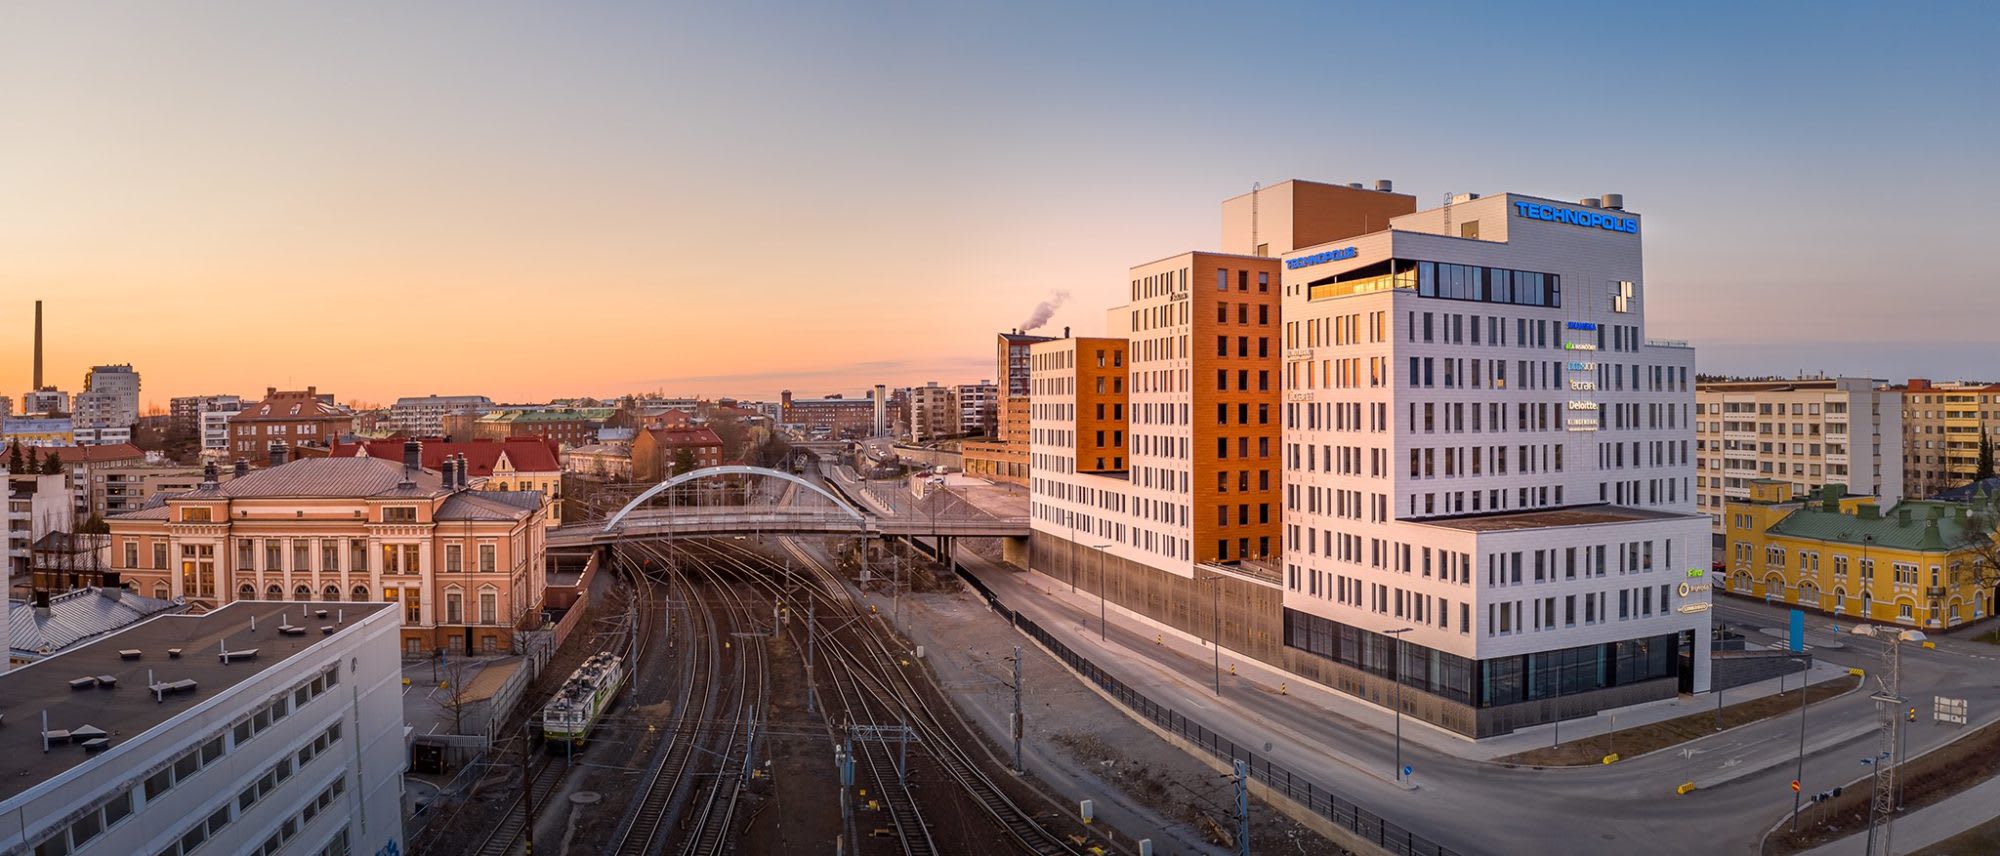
74 617
328 477
1930 525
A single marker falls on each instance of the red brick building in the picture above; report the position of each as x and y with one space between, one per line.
654 451
292 417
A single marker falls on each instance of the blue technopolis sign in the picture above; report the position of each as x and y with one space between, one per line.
1575 217
1321 258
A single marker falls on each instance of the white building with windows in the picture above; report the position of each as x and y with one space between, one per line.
1811 432
423 416
1488 462
159 742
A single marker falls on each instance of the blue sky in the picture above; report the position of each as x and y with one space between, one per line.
733 195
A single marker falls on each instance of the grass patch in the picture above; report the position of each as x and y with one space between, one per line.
1640 739
1968 761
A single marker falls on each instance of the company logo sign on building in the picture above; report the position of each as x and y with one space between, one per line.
1321 258
1577 217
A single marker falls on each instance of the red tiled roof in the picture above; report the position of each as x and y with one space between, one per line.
526 454
278 408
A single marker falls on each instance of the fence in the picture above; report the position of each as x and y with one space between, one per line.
1314 797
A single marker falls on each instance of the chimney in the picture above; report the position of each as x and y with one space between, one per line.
1385 185
42 604
208 474
113 584
413 455
279 454
242 468
445 471
464 471
1065 332
38 345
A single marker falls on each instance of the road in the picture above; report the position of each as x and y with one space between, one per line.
1478 807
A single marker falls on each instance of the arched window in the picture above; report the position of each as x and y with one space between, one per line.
246 591
331 593
360 594
302 592
273 592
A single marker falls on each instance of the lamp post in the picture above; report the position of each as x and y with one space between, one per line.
1100 587
1799 775
1398 678
1876 776
1214 583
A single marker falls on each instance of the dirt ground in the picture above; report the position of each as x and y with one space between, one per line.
1633 742
1928 779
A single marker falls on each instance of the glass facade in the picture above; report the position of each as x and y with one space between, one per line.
1487 284
1487 683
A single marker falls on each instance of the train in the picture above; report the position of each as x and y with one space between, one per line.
577 707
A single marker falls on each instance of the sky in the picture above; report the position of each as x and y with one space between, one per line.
531 200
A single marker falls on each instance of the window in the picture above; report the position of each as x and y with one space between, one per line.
488 559
454 607
489 607
454 560
160 555
399 514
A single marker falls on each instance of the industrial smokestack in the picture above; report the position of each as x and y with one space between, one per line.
38 345
1044 311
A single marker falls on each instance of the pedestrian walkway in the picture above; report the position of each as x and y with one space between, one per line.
1928 825
1237 668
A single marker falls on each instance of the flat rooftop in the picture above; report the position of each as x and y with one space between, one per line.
128 710
1549 518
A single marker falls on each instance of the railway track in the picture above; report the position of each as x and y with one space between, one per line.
507 833
641 832
712 826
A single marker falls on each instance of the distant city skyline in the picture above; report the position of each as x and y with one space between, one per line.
725 201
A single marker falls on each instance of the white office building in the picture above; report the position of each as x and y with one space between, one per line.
214 420
1811 432
216 733
1488 462
110 398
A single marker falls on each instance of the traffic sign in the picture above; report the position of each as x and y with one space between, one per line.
1407 770
1795 786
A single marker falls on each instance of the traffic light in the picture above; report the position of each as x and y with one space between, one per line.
1913 714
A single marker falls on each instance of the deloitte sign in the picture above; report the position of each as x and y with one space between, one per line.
1577 217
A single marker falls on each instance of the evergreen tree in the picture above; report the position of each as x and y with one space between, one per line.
1985 468
34 464
52 465
14 458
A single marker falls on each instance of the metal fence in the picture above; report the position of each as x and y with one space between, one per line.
1314 797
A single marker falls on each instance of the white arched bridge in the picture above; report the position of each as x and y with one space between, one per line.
743 500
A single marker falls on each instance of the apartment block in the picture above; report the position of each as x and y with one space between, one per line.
1809 432
1942 424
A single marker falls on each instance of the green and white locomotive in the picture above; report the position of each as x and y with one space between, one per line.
580 703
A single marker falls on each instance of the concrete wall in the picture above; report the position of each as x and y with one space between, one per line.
1252 615
1736 668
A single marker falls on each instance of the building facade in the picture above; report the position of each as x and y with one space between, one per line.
110 399
978 408
832 417
933 413
184 411
563 426
513 464
465 567
36 506
1808 431
1921 563
1942 425
287 418
297 748
45 400
423 416
600 460
119 490
656 452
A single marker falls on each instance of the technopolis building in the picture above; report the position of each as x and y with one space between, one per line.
1477 467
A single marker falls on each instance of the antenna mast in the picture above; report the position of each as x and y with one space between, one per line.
1254 187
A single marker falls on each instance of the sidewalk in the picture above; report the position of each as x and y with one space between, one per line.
1239 669
1928 825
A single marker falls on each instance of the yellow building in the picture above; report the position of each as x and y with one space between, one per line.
1919 564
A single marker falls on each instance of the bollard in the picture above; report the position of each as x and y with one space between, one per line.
1282 688
1088 811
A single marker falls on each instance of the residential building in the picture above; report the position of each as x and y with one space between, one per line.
465 566
933 413
1005 459
292 743
184 411
657 452
1918 563
36 506
672 418
86 465
564 426
55 621
511 464
600 460
117 490
1942 424
1808 431
424 416
45 400
287 418
6 405
1012 361
978 408
213 422
832 417
110 398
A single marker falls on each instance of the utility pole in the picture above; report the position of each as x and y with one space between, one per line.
1398 677
1242 809
1799 775
810 640
527 792
1020 724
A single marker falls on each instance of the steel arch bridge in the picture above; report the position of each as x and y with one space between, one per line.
611 525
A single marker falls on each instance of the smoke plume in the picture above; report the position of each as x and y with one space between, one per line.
1044 311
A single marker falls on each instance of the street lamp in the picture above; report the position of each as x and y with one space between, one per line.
1876 776
1100 587
1398 678
1799 775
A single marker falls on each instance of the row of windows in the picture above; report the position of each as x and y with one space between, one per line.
396 558
1382 554
1242 313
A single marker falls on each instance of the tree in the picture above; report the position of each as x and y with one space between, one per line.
683 461
94 525
52 465
34 465
1984 468
14 464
